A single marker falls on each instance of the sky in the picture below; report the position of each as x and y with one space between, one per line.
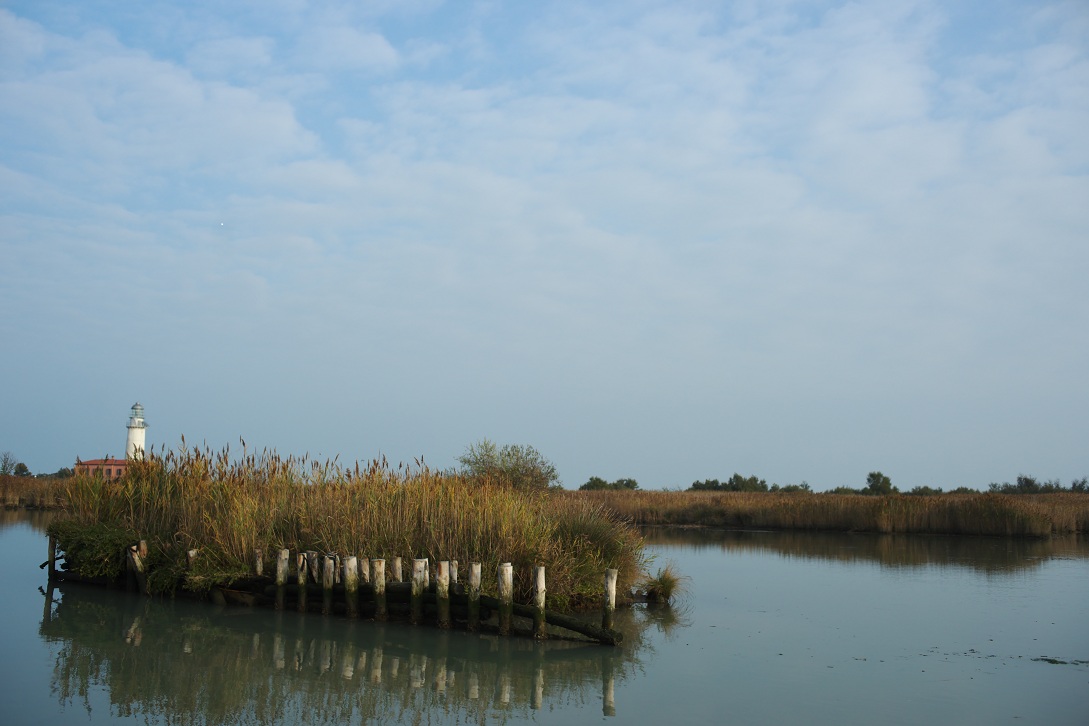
668 241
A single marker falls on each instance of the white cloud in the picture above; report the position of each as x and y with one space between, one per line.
339 48
658 209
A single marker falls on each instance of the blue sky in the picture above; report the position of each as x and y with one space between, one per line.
661 240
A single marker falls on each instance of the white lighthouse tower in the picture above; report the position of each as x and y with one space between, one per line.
134 449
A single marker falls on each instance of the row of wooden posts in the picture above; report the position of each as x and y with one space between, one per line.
362 577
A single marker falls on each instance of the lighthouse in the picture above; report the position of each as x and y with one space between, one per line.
134 449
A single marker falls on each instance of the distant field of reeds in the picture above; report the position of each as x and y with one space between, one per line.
31 491
975 514
227 509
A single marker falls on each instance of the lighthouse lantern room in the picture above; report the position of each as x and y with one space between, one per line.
134 449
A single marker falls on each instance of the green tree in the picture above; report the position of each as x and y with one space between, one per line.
735 483
791 488
878 483
596 483
519 466
21 469
707 485
738 483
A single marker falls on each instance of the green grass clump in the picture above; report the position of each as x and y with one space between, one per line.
664 586
227 509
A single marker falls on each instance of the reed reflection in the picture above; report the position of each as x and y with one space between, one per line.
183 662
988 555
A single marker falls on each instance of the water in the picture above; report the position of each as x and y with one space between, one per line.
776 628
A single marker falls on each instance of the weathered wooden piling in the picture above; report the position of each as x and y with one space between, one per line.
540 631
506 597
474 596
138 575
364 570
258 561
313 565
610 599
351 586
328 579
300 579
454 574
442 593
395 570
52 560
282 560
419 586
378 578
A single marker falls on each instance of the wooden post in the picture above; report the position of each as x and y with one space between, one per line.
258 561
52 558
396 574
379 578
328 577
312 564
281 576
442 593
351 585
474 596
454 574
190 557
419 585
610 599
136 566
506 597
364 570
540 631
300 579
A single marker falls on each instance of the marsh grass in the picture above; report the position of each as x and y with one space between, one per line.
194 499
977 514
665 585
31 491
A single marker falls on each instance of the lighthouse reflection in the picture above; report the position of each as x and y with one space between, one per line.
177 662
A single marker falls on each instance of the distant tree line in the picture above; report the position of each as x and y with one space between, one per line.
596 483
738 483
11 466
1030 485
877 484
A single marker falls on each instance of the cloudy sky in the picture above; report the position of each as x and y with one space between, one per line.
661 240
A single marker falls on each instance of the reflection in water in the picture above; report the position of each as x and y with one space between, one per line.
183 662
991 555
38 519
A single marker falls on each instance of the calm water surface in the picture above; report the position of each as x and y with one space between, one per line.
776 628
